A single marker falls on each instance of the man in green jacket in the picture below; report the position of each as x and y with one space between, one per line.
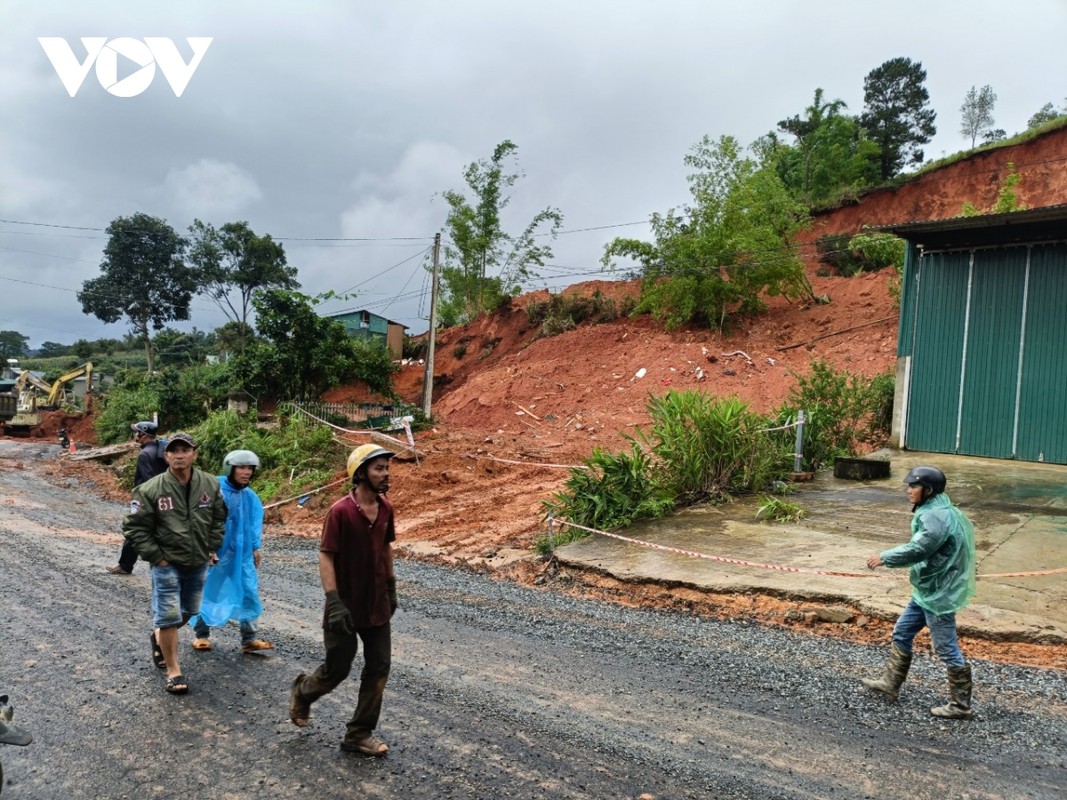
941 558
176 523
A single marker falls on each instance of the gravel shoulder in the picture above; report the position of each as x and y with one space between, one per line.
498 690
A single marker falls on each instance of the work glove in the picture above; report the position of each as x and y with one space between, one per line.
338 618
390 588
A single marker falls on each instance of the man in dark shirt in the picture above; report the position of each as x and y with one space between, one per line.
149 464
356 569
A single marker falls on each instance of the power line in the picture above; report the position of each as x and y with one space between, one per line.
387 269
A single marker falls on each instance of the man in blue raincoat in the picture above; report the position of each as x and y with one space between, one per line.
231 591
941 561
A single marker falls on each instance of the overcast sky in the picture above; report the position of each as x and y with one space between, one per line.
342 120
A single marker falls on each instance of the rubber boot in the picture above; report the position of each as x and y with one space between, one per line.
959 689
896 670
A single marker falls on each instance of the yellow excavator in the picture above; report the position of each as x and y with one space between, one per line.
35 394
57 391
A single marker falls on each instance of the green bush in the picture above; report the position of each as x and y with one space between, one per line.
611 492
296 455
835 251
121 407
843 411
778 510
414 349
697 449
876 251
565 312
711 447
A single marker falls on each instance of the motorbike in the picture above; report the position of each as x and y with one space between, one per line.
9 734
64 440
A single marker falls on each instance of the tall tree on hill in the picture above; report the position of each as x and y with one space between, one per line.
1046 113
13 344
896 113
720 254
832 155
804 129
977 112
145 278
233 259
482 263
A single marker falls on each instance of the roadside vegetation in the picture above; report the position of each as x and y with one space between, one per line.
296 454
701 449
713 259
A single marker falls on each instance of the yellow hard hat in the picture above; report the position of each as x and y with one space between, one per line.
364 453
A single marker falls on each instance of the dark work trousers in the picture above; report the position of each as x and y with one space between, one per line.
128 556
341 651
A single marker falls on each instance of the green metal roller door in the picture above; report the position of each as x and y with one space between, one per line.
1043 390
991 371
995 324
937 351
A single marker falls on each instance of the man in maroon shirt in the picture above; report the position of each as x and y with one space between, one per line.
356 568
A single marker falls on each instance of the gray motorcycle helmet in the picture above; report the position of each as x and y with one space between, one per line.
239 458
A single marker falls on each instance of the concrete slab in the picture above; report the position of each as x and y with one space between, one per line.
1019 510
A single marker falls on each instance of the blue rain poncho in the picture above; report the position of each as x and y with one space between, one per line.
232 587
940 555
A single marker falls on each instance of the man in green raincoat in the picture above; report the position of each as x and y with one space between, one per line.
941 558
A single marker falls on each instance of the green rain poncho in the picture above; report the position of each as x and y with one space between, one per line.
940 555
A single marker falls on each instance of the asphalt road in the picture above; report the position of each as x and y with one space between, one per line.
497 691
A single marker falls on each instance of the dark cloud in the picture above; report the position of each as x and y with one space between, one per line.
345 119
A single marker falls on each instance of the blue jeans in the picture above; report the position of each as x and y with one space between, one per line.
942 632
176 594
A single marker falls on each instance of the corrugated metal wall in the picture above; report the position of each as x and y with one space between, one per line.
1042 413
989 352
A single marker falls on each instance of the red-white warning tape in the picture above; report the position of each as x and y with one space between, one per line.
709 557
781 567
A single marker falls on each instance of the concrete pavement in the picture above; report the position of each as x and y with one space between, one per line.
1019 510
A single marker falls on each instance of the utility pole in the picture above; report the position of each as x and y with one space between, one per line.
427 378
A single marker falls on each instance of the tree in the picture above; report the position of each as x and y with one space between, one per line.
300 354
722 252
52 349
144 278
832 155
13 345
83 349
232 259
177 348
977 112
805 128
483 264
896 113
1046 113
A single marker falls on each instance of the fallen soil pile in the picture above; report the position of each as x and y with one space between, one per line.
514 408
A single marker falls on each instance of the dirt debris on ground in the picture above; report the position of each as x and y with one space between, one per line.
513 408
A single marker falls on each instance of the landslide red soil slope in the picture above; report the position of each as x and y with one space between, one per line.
504 395
550 401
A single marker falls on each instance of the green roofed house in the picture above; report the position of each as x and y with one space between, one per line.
371 327
982 349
